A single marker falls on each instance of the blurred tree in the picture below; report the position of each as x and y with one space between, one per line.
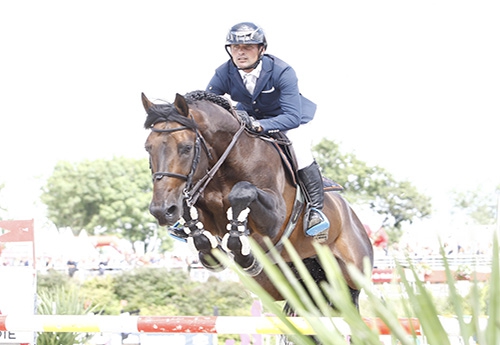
52 280
398 201
102 197
479 205
99 292
159 291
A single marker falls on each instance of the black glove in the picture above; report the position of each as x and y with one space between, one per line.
252 124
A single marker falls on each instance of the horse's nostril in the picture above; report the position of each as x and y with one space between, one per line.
165 214
172 209
163 210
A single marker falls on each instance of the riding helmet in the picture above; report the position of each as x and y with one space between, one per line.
246 33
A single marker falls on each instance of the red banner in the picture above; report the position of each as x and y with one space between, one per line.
18 230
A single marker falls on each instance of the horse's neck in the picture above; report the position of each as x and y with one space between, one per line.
239 154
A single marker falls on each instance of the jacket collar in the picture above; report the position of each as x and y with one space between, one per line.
265 74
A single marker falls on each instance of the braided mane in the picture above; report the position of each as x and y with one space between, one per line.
201 95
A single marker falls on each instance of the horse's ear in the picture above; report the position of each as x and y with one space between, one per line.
181 105
145 102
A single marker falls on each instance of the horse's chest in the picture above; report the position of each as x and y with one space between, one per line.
212 212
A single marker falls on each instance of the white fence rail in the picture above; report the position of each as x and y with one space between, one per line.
436 261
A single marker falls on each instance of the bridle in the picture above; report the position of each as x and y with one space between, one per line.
199 139
192 193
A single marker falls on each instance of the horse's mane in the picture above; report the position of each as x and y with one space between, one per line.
201 95
166 111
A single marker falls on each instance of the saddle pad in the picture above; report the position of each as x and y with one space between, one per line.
331 186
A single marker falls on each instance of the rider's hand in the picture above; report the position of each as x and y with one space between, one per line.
256 127
252 124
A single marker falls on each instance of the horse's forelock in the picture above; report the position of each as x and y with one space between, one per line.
166 112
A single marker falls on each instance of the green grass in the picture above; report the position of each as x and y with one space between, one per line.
415 302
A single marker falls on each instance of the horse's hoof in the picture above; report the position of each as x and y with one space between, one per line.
254 269
210 262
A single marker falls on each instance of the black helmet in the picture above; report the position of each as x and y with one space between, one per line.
246 33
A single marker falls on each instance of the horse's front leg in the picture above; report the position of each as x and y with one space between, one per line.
236 241
266 216
267 208
202 241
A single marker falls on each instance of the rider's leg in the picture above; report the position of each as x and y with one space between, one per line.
313 183
311 179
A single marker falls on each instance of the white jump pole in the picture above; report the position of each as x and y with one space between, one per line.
181 324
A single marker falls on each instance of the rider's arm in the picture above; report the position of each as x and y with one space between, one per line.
289 113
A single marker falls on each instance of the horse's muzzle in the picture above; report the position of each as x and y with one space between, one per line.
167 215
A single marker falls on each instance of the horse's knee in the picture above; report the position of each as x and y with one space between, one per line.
241 196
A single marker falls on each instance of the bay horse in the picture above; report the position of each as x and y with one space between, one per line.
227 183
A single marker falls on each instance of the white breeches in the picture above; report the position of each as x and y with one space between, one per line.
302 142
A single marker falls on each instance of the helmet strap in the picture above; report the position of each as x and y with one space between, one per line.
253 66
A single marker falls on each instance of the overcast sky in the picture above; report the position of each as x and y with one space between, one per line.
410 86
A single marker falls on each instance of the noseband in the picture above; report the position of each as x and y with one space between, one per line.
192 193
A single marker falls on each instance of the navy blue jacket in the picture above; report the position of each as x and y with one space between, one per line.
276 101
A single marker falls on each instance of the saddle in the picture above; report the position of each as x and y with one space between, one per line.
285 148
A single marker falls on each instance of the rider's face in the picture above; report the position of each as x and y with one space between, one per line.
245 55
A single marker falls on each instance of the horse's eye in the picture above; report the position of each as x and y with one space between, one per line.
185 149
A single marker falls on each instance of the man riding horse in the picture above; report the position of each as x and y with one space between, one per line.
266 88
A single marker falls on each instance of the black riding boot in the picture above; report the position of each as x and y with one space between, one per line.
316 222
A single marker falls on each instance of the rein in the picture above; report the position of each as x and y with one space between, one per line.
192 193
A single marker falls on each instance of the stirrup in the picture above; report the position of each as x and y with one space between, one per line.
321 226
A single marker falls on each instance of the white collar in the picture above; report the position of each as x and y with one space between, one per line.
255 72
